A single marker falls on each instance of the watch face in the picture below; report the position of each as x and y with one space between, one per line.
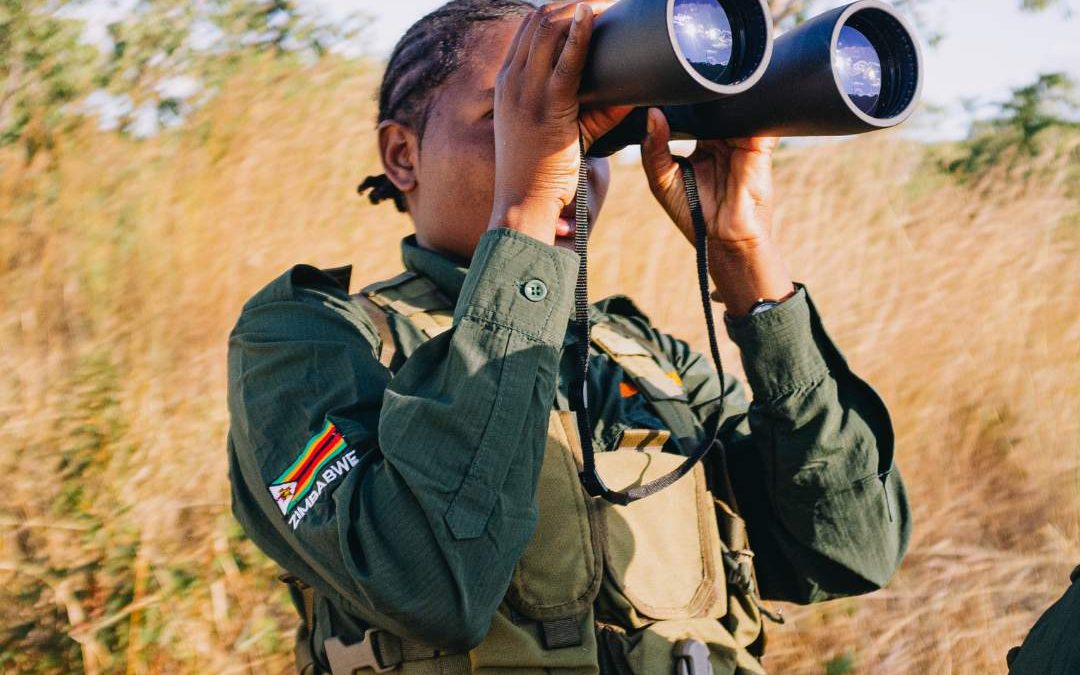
763 306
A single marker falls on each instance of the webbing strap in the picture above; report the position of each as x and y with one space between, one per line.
415 298
590 478
383 652
382 325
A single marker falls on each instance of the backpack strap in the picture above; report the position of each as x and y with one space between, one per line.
378 650
303 597
653 375
416 299
382 325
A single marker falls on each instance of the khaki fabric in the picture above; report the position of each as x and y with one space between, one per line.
662 553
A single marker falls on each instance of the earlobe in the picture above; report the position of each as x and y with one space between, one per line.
399 149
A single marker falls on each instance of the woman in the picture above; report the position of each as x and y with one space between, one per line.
422 514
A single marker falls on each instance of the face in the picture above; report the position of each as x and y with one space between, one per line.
451 189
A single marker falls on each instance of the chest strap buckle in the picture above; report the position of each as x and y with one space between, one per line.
371 652
692 658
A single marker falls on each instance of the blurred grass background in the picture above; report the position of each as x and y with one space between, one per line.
947 273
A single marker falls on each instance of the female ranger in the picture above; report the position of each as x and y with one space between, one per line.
429 513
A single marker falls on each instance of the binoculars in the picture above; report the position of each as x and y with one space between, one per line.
716 71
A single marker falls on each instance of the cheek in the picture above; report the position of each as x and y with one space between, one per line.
460 172
457 178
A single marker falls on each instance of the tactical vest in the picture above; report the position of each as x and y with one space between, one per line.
662 585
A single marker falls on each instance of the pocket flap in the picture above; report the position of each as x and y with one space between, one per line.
662 553
560 573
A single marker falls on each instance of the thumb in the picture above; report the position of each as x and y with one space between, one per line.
660 167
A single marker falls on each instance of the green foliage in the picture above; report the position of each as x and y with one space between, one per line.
164 55
1038 5
171 55
43 68
1018 128
788 13
840 665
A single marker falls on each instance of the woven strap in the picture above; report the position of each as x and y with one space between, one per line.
382 325
415 298
590 478
383 652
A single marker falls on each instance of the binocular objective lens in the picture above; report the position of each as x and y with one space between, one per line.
703 31
859 67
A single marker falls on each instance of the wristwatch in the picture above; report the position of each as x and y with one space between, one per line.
765 304
762 306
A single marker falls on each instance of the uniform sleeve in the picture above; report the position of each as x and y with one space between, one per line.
435 501
810 458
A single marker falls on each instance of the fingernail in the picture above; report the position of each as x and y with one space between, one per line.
650 123
579 12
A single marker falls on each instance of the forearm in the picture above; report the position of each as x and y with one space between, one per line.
463 423
535 217
833 505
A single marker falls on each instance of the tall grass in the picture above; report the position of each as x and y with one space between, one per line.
123 265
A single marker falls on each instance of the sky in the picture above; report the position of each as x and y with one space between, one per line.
988 47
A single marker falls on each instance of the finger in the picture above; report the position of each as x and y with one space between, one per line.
660 167
551 31
567 76
519 50
764 144
598 121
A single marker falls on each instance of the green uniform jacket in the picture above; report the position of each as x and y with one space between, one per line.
416 520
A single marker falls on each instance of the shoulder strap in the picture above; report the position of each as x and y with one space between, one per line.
382 324
416 299
653 375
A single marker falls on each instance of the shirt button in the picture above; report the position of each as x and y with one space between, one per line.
535 290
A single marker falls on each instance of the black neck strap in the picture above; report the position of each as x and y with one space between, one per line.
590 478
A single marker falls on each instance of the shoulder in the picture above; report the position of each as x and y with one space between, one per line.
305 303
622 306
621 310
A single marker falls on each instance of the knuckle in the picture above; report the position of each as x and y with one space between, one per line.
564 70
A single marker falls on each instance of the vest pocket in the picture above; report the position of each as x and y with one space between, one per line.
662 554
556 580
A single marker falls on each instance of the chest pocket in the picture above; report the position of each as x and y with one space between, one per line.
545 623
654 565
662 554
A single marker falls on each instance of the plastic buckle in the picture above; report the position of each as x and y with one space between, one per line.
692 658
347 659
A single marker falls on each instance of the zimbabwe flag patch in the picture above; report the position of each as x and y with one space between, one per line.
324 460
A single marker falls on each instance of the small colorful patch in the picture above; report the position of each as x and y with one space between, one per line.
294 483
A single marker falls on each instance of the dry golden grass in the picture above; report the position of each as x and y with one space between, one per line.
123 266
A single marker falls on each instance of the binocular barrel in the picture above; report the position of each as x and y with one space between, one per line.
660 52
853 69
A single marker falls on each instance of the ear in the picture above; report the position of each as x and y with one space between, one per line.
399 149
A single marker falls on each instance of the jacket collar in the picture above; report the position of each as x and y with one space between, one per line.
446 273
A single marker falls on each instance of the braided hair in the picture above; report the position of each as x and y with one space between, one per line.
432 50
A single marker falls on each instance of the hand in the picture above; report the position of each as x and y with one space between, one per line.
537 118
735 186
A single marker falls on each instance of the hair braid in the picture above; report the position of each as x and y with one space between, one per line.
432 50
